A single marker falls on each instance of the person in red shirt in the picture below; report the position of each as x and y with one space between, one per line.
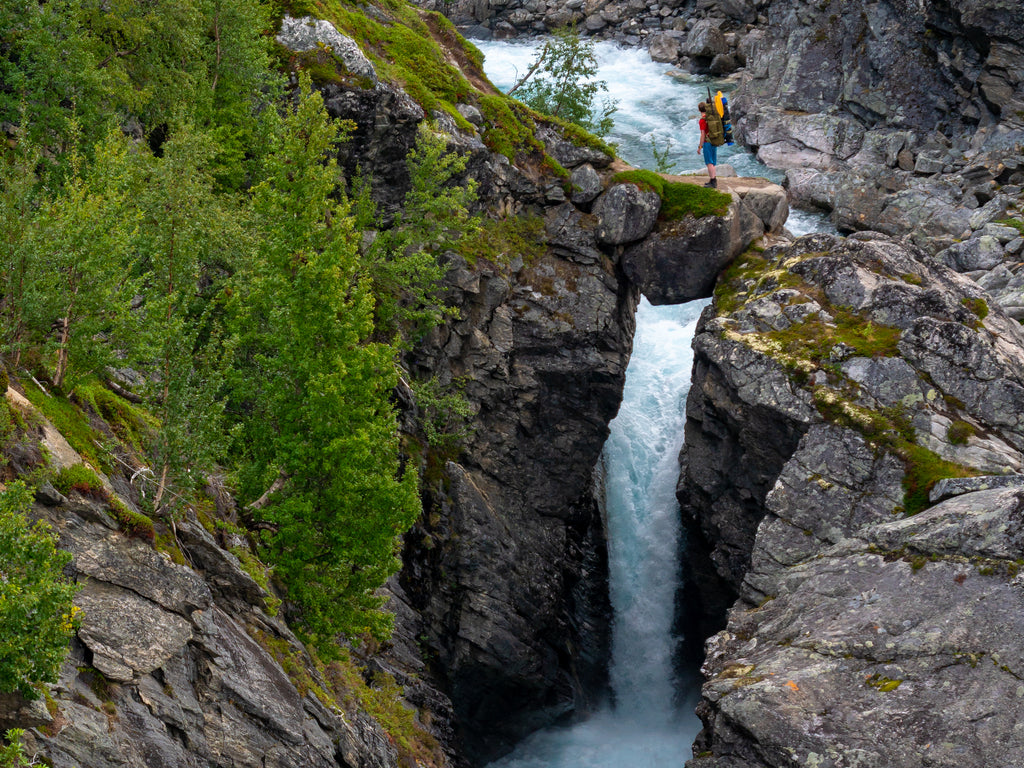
709 150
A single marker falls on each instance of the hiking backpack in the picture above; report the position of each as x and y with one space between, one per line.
716 131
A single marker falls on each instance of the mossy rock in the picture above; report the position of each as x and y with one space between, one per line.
678 199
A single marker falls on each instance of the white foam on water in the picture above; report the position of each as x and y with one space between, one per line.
652 104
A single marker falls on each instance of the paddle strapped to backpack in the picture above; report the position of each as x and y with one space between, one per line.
716 131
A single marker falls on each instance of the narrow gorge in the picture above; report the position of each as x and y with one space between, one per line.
833 553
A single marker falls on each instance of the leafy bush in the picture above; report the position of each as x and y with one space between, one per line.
37 617
560 82
12 755
960 432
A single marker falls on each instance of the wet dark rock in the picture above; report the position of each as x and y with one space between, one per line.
510 577
681 260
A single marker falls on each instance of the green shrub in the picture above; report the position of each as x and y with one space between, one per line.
37 618
12 755
960 432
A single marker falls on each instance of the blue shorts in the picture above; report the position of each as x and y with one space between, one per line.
710 153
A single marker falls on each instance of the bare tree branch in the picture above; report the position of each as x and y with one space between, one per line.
276 486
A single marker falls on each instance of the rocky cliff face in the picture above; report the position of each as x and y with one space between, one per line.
857 374
179 661
897 116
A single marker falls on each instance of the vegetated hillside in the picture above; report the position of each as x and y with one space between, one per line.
192 291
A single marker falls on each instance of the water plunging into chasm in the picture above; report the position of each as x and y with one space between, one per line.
650 723
649 726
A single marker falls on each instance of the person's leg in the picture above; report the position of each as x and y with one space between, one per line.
711 158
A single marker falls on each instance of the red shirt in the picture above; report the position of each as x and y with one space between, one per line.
703 125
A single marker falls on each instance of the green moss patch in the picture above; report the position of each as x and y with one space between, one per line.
582 137
924 468
882 683
511 128
382 698
1015 223
403 50
678 199
73 424
131 522
815 339
80 478
978 306
499 241
131 424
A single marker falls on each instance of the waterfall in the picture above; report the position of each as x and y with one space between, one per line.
648 725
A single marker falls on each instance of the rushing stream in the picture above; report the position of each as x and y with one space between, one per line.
650 723
652 106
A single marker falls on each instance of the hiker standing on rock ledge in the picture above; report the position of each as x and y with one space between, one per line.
709 149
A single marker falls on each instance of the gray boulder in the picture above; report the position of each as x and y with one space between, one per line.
663 46
586 184
705 40
310 34
625 213
902 642
569 154
983 252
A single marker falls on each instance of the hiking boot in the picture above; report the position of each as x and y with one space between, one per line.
712 183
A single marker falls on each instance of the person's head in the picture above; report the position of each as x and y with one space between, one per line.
702 107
